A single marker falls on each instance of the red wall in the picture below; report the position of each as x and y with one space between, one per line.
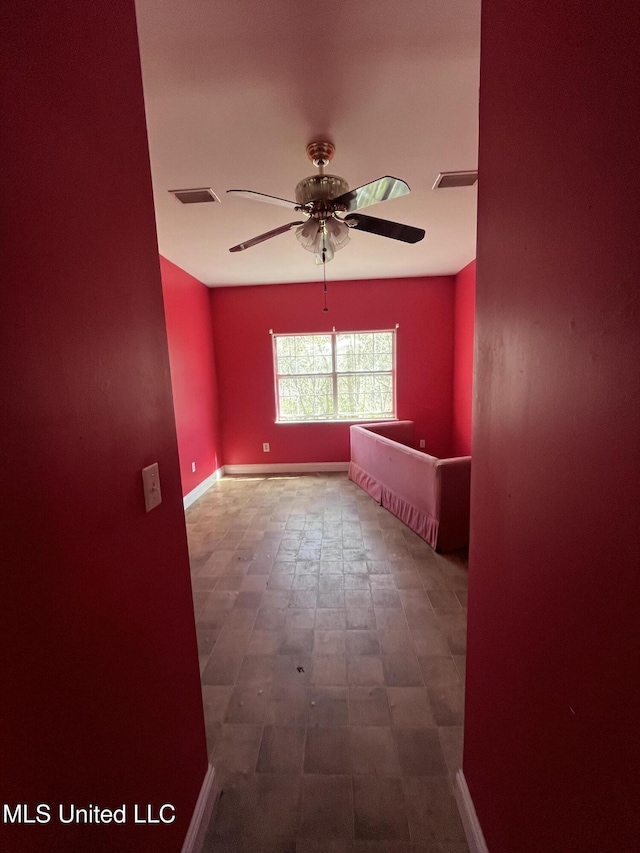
193 373
464 310
553 695
101 696
242 317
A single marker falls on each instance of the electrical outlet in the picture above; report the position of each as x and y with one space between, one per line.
422 442
193 467
265 447
151 485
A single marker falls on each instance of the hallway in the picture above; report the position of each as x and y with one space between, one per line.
332 650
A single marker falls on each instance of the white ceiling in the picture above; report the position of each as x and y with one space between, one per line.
235 89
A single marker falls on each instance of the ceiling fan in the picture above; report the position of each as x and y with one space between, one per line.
330 209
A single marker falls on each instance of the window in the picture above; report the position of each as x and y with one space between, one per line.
335 376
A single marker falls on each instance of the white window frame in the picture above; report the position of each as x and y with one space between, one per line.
334 375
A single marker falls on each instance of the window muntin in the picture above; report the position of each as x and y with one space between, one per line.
335 376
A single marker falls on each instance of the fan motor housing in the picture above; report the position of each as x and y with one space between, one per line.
317 187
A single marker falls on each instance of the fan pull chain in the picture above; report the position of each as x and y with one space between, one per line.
324 289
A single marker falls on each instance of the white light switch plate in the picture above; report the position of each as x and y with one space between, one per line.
151 485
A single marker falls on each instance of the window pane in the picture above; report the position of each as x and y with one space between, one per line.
365 396
364 351
305 397
303 354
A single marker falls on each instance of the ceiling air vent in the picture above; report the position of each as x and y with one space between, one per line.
200 195
455 179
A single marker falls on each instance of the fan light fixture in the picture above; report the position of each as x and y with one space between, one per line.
323 238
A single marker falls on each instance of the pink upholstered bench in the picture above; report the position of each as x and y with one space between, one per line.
431 496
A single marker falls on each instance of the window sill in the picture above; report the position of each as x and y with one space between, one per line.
339 421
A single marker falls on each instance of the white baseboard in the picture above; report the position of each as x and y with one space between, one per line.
470 822
202 813
286 468
203 487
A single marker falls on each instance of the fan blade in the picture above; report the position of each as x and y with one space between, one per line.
377 191
385 228
270 199
266 236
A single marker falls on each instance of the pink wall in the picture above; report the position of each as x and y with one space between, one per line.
464 310
553 695
193 373
242 317
101 696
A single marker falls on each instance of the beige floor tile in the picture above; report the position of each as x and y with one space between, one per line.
327 808
396 642
328 707
312 845
373 751
281 750
233 582
362 643
279 582
249 600
303 599
461 665
300 619
428 639
368 706
379 811
331 599
274 600
356 582
264 642
288 705
304 582
439 670
296 641
409 707
382 582
329 670
451 740
236 751
215 701
358 598
222 668
273 823
327 751
206 640
402 670
454 628
386 598
420 752
432 811
445 599
270 619
237 802
461 595
360 618
364 670
330 620
329 643
257 670
390 619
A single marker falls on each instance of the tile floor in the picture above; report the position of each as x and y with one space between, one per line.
332 652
